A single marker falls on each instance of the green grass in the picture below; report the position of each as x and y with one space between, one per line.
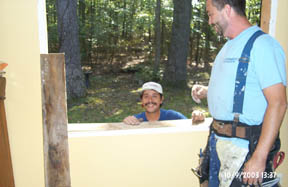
112 97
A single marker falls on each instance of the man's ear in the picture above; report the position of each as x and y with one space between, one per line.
162 99
228 10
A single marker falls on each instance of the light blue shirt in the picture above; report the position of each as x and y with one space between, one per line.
266 68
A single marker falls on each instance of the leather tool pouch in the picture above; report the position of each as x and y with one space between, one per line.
204 165
269 163
274 150
253 141
202 171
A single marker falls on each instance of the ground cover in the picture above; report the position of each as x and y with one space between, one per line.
113 96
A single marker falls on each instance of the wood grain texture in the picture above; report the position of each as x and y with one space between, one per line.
6 170
265 15
54 111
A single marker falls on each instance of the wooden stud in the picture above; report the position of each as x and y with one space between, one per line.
6 170
54 111
265 15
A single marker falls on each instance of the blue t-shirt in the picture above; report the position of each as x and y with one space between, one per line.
266 68
164 115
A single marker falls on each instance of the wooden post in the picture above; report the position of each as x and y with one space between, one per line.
56 153
265 15
6 170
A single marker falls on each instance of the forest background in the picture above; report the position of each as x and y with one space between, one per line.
112 47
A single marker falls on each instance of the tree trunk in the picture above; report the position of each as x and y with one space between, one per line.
91 30
206 56
198 35
69 44
163 37
124 23
176 68
133 9
197 52
157 37
192 40
81 10
191 48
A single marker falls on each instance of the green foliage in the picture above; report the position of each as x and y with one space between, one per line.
112 97
53 43
145 73
108 28
253 10
109 99
114 33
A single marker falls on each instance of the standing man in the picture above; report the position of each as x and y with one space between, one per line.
247 99
152 99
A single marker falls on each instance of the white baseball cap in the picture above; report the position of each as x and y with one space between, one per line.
152 86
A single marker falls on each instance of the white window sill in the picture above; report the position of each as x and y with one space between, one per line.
112 129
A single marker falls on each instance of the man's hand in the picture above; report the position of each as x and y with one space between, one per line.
277 104
199 92
131 120
197 116
253 170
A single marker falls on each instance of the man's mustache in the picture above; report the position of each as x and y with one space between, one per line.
150 103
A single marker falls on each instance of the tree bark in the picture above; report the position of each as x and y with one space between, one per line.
124 23
198 38
206 56
157 37
68 31
176 67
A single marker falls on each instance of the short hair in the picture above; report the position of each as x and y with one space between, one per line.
238 5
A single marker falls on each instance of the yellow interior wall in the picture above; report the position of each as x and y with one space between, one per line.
19 47
119 159
282 37
154 160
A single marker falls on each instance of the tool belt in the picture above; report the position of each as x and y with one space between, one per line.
239 130
233 128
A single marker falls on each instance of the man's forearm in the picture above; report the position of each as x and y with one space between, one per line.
276 99
270 128
274 115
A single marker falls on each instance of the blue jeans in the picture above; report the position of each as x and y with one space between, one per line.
214 164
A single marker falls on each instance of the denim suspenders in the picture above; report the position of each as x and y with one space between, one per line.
240 81
239 91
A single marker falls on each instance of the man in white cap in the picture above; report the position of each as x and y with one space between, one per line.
152 99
